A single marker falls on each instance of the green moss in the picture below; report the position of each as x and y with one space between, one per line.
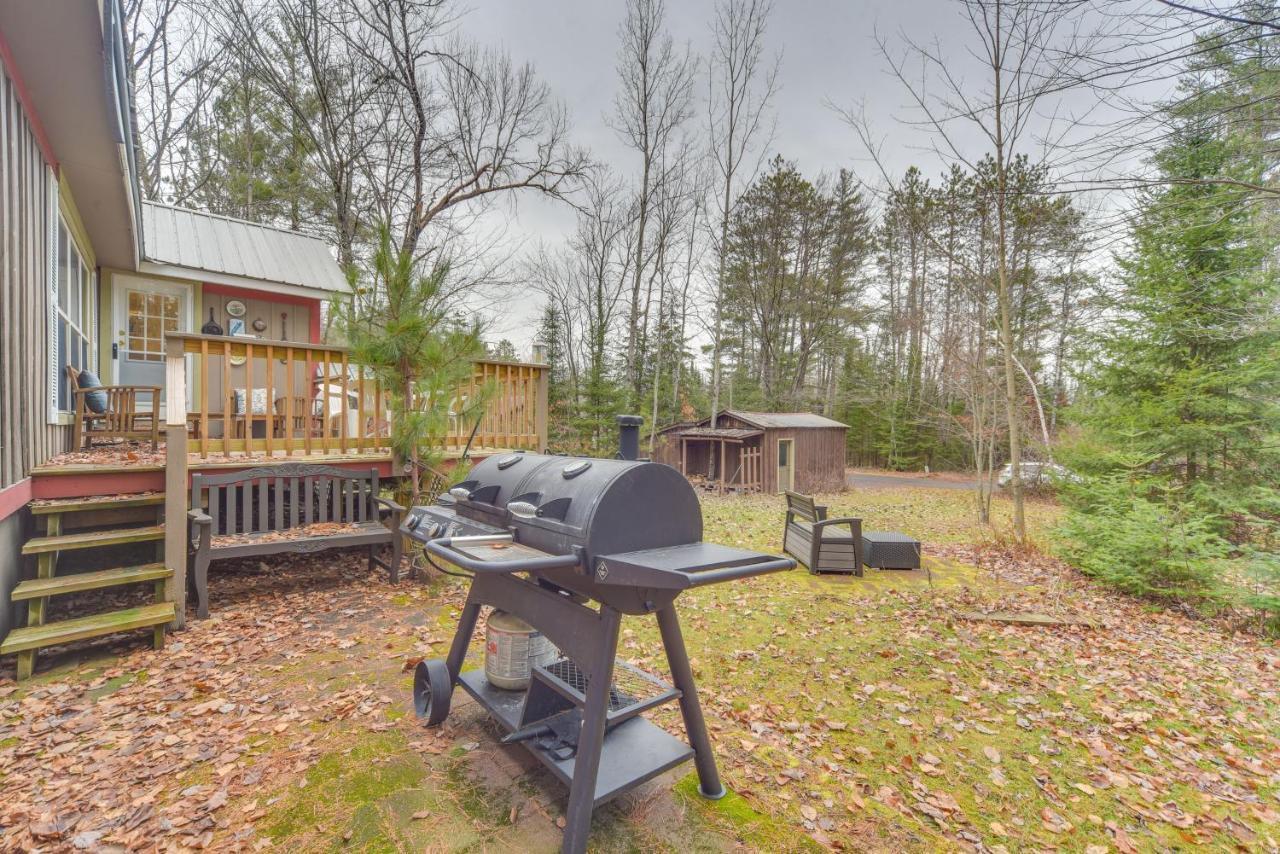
751 827
344 791
475 799
114 684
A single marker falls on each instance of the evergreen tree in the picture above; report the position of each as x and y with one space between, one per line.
399 324
559 404
1184 397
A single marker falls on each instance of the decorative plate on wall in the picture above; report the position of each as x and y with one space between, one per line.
235 308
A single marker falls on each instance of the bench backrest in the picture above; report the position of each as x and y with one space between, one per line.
804 507
274 498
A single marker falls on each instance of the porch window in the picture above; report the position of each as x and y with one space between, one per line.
76 314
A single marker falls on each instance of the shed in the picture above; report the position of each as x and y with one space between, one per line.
757 451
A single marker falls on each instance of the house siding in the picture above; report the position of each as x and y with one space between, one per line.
27 203
26 208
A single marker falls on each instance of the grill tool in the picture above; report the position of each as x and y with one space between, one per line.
546 536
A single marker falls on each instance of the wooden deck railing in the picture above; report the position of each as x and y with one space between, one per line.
256 397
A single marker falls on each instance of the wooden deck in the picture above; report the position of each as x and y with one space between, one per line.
68 476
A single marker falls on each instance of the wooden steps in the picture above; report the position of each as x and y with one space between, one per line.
37 592
92 539
36 588
32 638
98 502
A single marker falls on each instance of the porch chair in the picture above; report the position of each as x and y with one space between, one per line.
111 411
305 420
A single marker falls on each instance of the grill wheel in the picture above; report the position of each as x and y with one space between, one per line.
432 691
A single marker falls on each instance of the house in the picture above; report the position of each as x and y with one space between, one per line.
757 451
93 277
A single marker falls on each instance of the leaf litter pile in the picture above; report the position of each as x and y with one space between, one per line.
848 714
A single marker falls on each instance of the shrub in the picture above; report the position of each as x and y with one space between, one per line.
1140 538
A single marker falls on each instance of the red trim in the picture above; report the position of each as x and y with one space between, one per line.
117 482
14 498
106 483
24 98
267 296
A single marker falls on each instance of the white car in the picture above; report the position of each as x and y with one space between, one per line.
1035 474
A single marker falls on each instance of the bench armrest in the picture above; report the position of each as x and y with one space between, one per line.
200 529
847 520
389 504
154 389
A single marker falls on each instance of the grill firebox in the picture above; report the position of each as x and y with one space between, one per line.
545 537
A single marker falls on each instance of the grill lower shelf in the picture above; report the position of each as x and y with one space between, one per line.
634 750
632 692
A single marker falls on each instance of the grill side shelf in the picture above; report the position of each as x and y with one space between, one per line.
682 567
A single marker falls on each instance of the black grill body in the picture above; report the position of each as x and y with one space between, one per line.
546 537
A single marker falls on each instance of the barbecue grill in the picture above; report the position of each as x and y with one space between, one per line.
544 536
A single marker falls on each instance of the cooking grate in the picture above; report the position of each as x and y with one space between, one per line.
631 685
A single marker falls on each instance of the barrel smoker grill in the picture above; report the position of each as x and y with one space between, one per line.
544 536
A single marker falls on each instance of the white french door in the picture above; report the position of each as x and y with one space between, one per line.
143 311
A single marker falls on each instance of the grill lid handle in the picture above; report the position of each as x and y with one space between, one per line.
522 509
526 507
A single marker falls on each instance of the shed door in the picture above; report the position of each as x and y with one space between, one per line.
786 464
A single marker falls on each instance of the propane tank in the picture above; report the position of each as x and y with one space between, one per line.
512 648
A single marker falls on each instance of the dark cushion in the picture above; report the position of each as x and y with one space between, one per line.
95 400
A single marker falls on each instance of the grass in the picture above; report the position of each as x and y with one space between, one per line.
917 698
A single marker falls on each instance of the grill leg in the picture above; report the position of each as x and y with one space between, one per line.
462 639
695 727
586 765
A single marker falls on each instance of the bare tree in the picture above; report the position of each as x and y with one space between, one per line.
1031 53
174 70
463 122
323 86
740 88
653 103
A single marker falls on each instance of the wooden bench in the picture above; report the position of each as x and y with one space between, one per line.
294 507
820 543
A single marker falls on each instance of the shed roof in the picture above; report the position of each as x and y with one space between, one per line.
767 420
719 433
209 243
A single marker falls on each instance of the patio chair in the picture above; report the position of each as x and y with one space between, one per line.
111 411
306 419
816 541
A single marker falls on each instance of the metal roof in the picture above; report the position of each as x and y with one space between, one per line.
218 244
767 420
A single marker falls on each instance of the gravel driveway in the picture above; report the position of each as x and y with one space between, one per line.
866 480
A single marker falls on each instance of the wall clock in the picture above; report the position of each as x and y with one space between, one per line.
235 308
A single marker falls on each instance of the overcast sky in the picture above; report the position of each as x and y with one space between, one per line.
828 55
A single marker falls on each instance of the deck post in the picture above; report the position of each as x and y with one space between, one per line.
722 464
175 479
540 408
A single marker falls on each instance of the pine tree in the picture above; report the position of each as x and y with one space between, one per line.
559 405
399 324
1184 397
